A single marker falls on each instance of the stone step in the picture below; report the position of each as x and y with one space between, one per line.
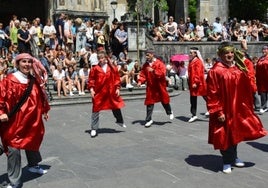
135 94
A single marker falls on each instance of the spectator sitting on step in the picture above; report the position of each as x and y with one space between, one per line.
125 76
73 82
83 77
172 75
59 80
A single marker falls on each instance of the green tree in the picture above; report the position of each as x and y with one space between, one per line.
248 9
192 10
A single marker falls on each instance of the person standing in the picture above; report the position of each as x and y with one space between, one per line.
25 128
153 73
104 87
196 78
229 101
262 78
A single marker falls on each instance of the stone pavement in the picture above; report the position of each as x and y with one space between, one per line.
170 154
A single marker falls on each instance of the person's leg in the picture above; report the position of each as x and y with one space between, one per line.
118 115
14 170
94 120
257 102
167 108
149 112
229 155
33 158
193 102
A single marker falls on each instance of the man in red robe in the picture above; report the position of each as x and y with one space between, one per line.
24 129
262 79
230 104
104 86
196 78
153 72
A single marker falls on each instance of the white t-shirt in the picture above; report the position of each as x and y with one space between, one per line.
58 75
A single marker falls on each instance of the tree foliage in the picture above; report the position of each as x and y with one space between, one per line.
248 9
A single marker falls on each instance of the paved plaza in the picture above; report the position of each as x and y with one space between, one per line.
170 154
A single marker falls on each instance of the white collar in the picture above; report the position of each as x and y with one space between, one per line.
23 78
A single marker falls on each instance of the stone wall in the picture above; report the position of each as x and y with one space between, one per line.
207 49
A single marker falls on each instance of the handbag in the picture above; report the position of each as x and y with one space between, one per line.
19 104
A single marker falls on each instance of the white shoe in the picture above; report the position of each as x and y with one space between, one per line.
171 116
121 125
93 133
192 119
239 163
129 86
149 123
82 93
207 113
71 94
227 168
37 170
263 110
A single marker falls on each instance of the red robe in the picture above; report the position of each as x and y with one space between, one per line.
25 129
229 93
156 90
196 75
105 85
251 74
262 74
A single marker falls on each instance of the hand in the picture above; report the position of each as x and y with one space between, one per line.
194 86
3 118
92 93
46 116
138 84
117 92
150 69
221 118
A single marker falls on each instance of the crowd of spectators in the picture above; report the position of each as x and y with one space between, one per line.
185 30
67 48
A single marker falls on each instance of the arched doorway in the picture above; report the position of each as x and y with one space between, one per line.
29 9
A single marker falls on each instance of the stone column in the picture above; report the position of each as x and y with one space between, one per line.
211 9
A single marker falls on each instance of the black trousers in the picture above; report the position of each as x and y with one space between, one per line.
229 155
193 102
150 109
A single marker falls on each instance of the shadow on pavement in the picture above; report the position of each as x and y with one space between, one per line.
260 146
105 130
209 162
26 175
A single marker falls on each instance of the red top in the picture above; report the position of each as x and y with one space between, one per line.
156 90
105 85
196 75
25 129
262 74
229 93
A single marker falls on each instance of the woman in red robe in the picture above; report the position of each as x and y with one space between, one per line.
262 78
196 78
230 104
153 72
104 86
24 129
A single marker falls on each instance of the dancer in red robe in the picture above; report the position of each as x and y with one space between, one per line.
104 86
25 129
230 104
196 78
262 78
153 73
